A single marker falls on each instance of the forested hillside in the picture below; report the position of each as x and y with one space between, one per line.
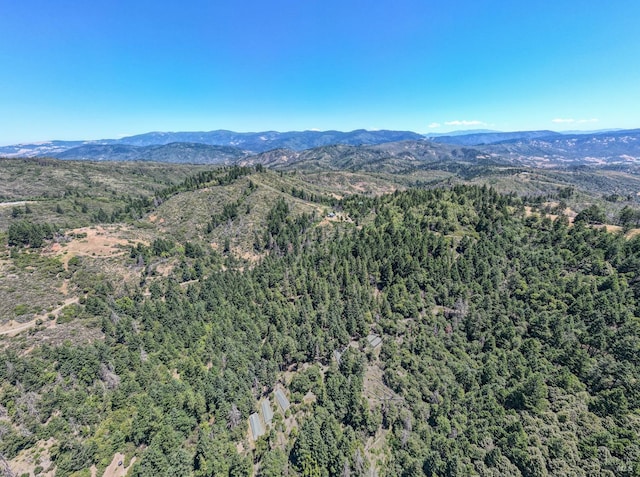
510 342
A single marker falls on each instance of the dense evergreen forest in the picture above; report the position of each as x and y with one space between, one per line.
510 346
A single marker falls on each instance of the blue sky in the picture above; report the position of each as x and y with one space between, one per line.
103 69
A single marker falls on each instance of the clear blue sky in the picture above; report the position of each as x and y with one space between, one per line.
102 69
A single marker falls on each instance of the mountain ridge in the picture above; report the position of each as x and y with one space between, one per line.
479 138
176 152
252 142
539 148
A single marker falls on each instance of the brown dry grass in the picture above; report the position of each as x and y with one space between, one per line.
100 241
340 183
103 252
165 267
32 289
374 389
570 213
632 233
12 327
16 204
115 469
609 228
27 460
79 332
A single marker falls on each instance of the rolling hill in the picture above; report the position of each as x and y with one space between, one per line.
445 328
177 152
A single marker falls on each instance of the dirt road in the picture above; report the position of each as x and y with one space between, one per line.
13 328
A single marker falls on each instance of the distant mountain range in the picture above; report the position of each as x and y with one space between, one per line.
247 143
603 148
264 141
530 148
492 137
355 149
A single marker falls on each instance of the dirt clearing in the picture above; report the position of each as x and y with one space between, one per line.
98 241
27 460
116 468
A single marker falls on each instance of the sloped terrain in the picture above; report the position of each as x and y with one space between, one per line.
507 336
619 147
176 152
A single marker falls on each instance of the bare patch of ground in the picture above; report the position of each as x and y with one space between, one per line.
632 233
375 391
103 250
290 424
610 228
16 204
377 395
251 257
248 438
164 268
153 218
97 241
570 213
116 468
440 309
26 461
309 398
362 187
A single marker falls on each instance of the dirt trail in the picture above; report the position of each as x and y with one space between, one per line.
13 328
13 204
